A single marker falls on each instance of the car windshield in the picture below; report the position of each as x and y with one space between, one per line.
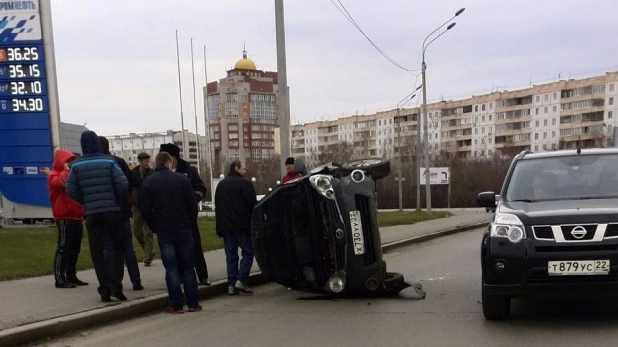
564 178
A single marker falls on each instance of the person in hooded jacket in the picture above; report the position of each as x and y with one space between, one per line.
127 236
96 181
199 192
69 215
291 174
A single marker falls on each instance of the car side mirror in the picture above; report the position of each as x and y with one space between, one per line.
486 199
300 167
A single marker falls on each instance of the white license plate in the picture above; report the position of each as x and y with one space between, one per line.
357 233
578 267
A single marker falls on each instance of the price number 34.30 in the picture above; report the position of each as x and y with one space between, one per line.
27 105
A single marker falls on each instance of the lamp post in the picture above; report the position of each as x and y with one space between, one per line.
400 178
425 134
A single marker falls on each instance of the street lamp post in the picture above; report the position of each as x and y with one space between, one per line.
426 135
399 177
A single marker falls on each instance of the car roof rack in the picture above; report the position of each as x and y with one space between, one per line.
524 153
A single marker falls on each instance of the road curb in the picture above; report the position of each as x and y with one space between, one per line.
63 325
387 247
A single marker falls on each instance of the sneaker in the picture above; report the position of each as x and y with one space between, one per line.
243 288
175 310
231 290
78 282
196 308
65 285
138 286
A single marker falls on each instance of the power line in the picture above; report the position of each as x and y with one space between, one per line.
349 17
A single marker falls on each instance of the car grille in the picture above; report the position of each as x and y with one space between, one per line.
546 232
326 214
367 211
579 248
541 277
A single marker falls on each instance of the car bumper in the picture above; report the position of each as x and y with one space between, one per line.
526 268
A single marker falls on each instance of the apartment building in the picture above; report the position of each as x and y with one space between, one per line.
546 117
130 145
243 112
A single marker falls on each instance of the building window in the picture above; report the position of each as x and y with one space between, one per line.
555 96
545 122
483 119
553 121
491 105
610 114
555 108
476 142
546 109
483 107
483 130
476 131
553 133
536 136
537 111
489 140
611 87
476 108
546 97
536 148
536 124
538 98
611 101
545 135
490 117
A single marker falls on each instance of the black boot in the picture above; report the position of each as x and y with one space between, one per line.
65 284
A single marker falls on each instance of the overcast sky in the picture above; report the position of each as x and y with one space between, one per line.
117 69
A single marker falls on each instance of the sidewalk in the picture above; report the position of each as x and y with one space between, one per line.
36 299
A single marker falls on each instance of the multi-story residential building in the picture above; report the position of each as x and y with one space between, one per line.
243 112
70 135
557 115
130 145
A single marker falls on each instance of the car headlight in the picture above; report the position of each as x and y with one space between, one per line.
323 184
508 226
336 282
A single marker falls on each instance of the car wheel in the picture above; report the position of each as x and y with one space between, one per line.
496 307
377 168
393 278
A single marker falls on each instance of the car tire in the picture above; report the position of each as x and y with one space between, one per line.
496 307
377 168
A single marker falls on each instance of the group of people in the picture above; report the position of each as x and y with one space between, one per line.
102 190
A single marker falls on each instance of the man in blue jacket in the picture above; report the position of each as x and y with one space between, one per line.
96 181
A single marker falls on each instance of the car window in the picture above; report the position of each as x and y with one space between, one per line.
564 178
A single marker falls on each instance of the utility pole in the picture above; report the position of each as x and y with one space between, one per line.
426 140
282 84
399 178
207 126
418 160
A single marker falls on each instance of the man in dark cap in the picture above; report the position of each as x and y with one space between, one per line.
289 166
199 191
96 182
142 232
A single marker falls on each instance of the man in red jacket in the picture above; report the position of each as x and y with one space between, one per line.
69 215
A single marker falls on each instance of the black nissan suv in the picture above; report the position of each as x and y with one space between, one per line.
555 230
320 231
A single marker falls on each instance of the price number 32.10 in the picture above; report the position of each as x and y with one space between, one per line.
28 105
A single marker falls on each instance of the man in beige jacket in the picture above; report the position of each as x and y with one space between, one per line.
143 234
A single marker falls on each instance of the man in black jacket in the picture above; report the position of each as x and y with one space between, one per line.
168 207
199 192
96 181
234 200
127 237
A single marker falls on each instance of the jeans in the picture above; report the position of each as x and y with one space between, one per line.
101 226
70 234
177 254
232 241
143 235
129 253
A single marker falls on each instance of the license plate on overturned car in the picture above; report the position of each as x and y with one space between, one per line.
357 232
578 267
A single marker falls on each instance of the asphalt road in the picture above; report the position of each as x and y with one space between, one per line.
451 314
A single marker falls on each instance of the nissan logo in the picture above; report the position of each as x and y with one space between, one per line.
579 232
